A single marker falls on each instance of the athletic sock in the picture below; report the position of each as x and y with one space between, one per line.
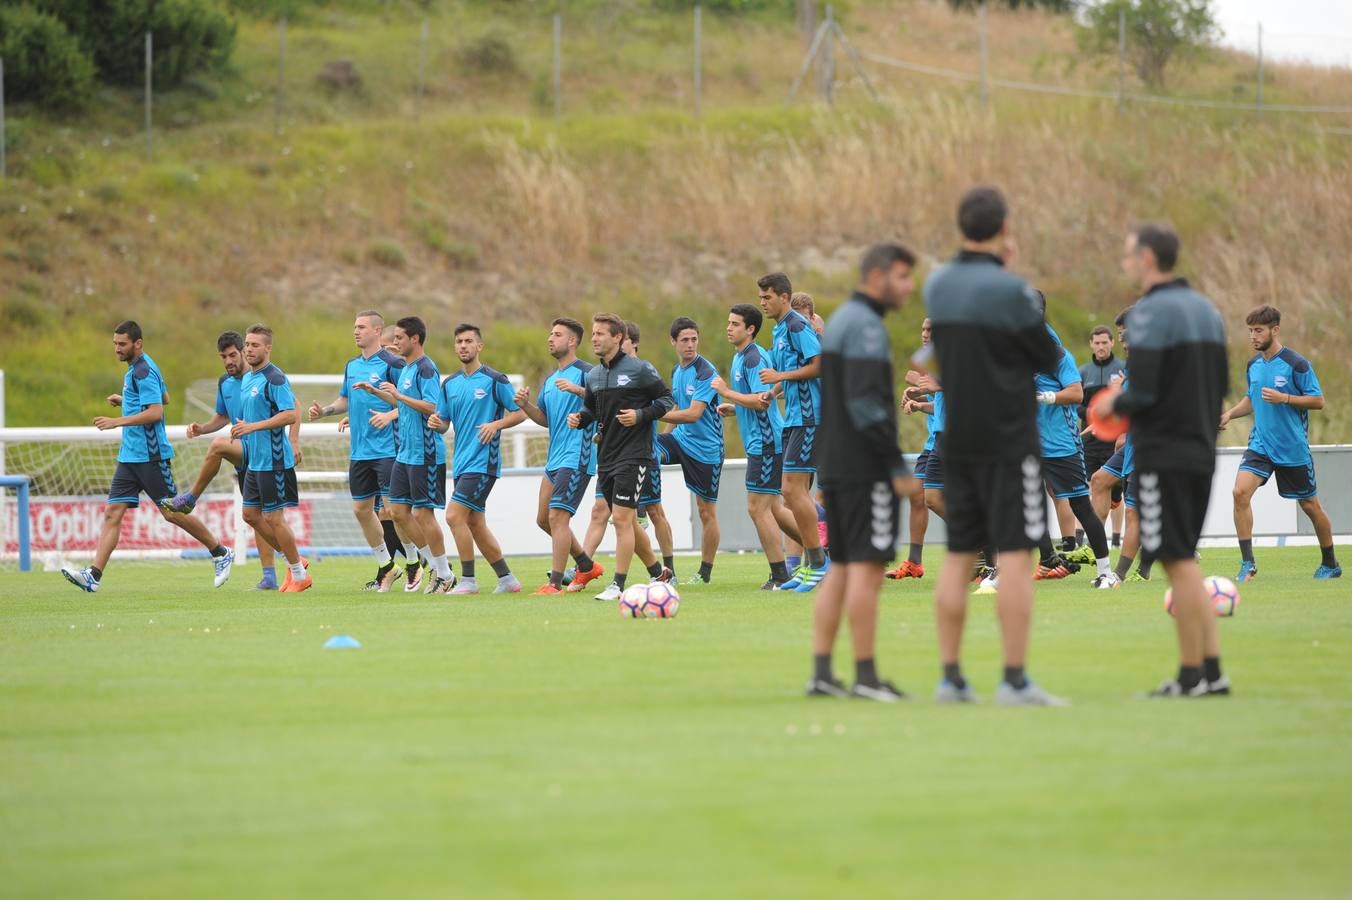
1045 550
383 557
655 570
392 542
1330 559
425 554
793 562
466 568
779 572
1246 550
821 512
501 569
218 551
914 556
669 562
1145 567
816 556
411 552
865 672
96 573
269 574
1189 677
620 578
297 571
706 571
584 562
1211 667
953 675
556 578
1015 677
1067 544
821 667
1117 539
441 566
1104 565
1123 566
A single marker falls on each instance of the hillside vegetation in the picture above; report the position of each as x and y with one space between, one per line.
475 203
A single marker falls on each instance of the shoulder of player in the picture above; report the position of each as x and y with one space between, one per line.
582 366
394 361
142 367
425 368
753 356
493 375
704 370
1293 359
220 382
274 375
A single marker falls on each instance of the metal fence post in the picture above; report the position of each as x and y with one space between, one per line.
699 75
827 69
1121 54
422 72
558 64
281 77
1260 68
981 39
150 64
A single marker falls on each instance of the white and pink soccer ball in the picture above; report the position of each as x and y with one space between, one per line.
650 601
1222 593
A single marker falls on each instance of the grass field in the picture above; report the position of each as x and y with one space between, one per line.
161 739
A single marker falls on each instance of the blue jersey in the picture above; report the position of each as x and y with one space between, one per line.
1281 432
701 439
569 448
1128 451
416 444
937 417
468 401
228 399
143 386
933 422
796 345
263 394
1059 423
369 442
762 431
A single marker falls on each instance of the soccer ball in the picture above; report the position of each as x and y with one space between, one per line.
662 602
632 600
1222 593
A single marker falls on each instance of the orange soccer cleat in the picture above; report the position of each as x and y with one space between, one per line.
907 569
582 579
548 589
295 587
286 582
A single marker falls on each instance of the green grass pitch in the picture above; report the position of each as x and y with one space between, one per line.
164 739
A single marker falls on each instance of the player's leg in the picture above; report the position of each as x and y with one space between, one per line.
457 519
662 531
596 528
222 449
88 578
788 526
410 530
709 539
1118 514
798 499
369 479
760 509
918 522
157 480
277 492
1247 482
1323 530
486 541
828 607
542 510
1065 523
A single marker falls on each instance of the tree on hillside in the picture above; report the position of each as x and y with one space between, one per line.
1051 5
1158 32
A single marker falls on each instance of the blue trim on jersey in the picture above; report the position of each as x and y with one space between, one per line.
467 402
1281 432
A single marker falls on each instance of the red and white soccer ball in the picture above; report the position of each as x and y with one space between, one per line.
1222 593
632 600
662 602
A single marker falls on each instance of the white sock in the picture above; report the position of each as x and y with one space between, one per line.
297 571
425 555
410 553
1103 566
443 568
382 555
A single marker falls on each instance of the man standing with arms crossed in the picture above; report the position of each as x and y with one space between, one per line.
1103 370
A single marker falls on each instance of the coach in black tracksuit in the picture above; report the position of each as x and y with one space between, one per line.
1103 370
625 396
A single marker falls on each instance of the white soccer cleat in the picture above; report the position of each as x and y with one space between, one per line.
466 587
611 593
223 565
81 578
1107 581
508 584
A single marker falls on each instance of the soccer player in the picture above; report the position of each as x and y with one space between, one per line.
1102 370
989 338
418 476
143 461
762 427
1282 390
696 443
794 370
230 346
914 400
1177 379
862 471
371 451
267 410
572 454
804 305
624 397
479 404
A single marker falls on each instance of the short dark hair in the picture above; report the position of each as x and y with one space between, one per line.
130 329
1161 240
229 339
260 329
631 331
777 282
681 323
884 257
572 325
981 213
614 324
1041 302
413 327
466 326
1100 329
750 315
1121 320
1264 315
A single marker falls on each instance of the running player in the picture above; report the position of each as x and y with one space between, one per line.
795 367
479 404
1282 390
1177 381
1102 370
371 450
143 461
267 410
696 442
863 472
989 339
915 400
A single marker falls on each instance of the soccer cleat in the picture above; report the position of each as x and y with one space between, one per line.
990 583
508 584
1084 555
695 579
666 576
882 692
287 580
772 585
568 575
183 503
795 579
437 585
611 593
1137 578
388 581
81 578
907 569
948 692
267 584
1029 695
1056 570
819 687
223 565
1248 570
466 587
295 587
811 578
1172 688
1328 572
547 588
582 579
1218 688
1107 581
415 578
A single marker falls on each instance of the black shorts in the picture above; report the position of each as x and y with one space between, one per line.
934 467
624 486
1128 489
1172 505
650 491
1065 476
472 490
156 478
701 478
1096 453
567 488
921 464
367 478
994 502
1293 482
864 521
421 487
800 448
764 473
272 490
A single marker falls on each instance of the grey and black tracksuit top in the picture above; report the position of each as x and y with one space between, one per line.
626 382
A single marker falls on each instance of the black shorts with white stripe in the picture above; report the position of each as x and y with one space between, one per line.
994 502
862 521
1172 505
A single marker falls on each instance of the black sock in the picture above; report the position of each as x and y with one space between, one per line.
1329 559
1189 676
655 569
584 562
501 569
1145 566
1123 566
218 551
392 542
779 571
556 578
96 572
1211 665
1091 527
1015 677
669 562
411 566
466 568
821 667
382 571
865 672
1246 550
1045 549
816 556
953 675
914 556
706 571
620 579
1079 536
1067 544
1117 539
